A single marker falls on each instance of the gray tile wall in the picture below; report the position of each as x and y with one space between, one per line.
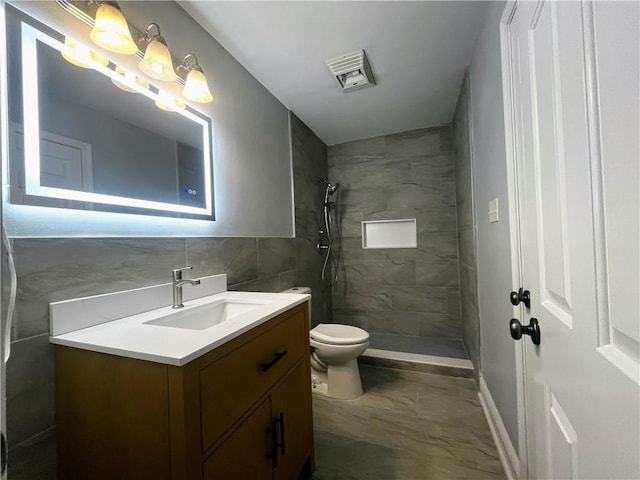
57 269
466 228
398 291
309 164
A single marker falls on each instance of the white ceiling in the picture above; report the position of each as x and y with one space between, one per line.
418 52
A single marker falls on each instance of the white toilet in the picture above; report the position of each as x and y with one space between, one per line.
335 349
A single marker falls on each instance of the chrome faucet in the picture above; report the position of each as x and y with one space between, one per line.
178 282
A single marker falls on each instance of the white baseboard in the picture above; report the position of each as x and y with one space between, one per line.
508 454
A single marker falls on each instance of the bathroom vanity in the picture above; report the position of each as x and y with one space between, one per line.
238 410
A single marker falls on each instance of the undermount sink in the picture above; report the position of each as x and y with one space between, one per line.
206 316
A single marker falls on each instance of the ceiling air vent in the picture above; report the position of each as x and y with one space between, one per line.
352 71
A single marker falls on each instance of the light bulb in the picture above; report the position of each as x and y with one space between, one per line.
167 103
196 87
111 31
157 61
81 56
131 78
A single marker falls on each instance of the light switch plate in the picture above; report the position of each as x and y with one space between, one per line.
493 211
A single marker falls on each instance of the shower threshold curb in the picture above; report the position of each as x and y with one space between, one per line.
454 367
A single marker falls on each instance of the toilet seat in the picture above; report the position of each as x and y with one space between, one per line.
337 334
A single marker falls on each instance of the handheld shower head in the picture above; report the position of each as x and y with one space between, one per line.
331 189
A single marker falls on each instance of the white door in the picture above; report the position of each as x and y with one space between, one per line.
575 87
64 163
60 166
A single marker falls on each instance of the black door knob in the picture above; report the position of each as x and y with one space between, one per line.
533 330
521 295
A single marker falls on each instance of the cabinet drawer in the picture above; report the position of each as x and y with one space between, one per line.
233 383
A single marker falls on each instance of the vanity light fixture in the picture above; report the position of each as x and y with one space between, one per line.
81 56
196 88
167 103
111 31
157 61
132 78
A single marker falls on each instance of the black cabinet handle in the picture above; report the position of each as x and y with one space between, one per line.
4 453
274 444
276 358
280 421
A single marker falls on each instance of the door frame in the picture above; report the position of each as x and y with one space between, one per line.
5 334
514 227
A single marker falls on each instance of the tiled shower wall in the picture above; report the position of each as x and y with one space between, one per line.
399 291
309 165
466 229
57 269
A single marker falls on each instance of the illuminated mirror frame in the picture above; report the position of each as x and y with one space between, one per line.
30 37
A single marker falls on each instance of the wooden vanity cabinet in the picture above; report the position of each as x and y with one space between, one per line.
241 411
276 425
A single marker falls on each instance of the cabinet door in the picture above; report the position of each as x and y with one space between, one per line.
291 402
236 381
245 454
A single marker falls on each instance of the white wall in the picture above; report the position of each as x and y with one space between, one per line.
252 165
493 241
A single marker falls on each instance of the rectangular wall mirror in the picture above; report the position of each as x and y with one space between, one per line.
88 137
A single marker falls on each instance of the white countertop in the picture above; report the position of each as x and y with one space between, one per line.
131 337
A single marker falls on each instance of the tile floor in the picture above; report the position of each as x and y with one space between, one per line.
407 426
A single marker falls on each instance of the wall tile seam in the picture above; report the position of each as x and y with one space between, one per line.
31 337
430 128
34 388
393 157
262 277
452 317
402 309
33 438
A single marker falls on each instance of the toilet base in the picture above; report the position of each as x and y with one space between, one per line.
342 381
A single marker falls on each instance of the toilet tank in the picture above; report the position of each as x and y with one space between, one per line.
302 290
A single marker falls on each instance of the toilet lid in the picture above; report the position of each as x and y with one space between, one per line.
336 334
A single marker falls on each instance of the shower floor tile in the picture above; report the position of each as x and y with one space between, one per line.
437 346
